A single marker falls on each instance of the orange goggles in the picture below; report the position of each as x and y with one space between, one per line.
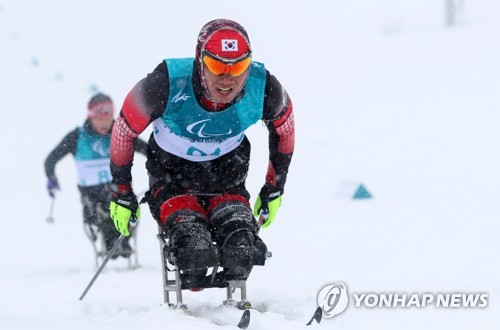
219 67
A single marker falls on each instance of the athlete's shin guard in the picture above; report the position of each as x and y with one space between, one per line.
190 243
235 231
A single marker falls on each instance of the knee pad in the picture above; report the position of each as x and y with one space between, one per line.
179 209
185 222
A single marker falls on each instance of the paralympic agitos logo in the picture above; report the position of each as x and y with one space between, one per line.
198 129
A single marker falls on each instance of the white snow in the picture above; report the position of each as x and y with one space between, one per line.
384 95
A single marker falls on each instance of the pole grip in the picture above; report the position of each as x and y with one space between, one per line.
264 214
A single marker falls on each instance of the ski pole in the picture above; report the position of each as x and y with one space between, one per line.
110 253
118 242
50 219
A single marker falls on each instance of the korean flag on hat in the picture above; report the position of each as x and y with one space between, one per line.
229 45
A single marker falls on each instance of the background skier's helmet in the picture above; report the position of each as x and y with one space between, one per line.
100 105
224 40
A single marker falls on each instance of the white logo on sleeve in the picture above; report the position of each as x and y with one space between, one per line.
229 45
333 299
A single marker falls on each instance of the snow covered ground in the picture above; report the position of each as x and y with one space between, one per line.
384 95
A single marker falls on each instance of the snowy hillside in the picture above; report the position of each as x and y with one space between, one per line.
384 95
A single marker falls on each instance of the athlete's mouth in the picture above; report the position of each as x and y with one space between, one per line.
224 90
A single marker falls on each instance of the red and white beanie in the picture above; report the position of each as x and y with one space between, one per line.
224 39
100 106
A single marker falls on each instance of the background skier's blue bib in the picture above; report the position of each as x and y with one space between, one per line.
90 146
92 158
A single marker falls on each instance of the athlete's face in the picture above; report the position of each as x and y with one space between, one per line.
223 88
102 125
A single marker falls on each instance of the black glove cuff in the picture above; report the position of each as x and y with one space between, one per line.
127 200
269 193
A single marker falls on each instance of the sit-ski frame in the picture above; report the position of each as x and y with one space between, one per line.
175 285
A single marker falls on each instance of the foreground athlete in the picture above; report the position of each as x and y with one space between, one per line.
198 154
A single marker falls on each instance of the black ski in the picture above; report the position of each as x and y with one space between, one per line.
245 320
242 324
318 314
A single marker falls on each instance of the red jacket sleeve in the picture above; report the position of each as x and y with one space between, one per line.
144 103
